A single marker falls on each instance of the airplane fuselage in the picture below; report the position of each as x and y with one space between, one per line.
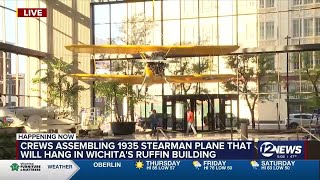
148 72
153 69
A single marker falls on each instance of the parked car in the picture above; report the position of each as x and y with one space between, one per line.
234 120
301 119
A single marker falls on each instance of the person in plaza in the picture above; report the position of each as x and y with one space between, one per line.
154 121
190 120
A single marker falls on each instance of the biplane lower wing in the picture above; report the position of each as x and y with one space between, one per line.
138 79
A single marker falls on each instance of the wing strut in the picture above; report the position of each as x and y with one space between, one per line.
143 82
171 86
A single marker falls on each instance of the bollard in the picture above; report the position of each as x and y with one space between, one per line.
244 130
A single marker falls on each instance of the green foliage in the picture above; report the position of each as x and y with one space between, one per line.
254 73
113 92
4 124
310 73
312 104
58 86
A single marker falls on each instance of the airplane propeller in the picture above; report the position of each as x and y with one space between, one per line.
159 58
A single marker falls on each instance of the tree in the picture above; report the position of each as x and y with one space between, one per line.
58 87
254 73
310 73
132 31
184 67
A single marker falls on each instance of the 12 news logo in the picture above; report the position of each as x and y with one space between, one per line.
32 12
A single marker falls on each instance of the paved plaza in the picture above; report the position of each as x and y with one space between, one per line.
208 136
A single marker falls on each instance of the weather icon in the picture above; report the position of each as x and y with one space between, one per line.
139 164
196 164
254 164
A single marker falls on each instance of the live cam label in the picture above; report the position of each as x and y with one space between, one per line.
31 12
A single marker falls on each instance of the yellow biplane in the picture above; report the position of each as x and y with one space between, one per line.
155 58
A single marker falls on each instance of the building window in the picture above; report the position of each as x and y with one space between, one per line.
296 2
308 27
317 29
269 30
307 59
261 5
261 28
308 1
269 3
270 61
295 60
317 57
296 28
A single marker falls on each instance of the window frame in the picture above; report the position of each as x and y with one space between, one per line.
270 35
307 27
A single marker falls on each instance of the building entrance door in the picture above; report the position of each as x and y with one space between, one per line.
209 111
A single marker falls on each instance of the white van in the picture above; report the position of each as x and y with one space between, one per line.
301 119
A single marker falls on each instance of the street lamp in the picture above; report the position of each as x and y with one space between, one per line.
287 83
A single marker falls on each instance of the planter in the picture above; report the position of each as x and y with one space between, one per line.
12 130
123 128
8 141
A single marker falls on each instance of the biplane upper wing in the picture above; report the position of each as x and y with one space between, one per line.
138 79
171 51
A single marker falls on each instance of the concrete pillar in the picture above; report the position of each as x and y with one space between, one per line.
244 130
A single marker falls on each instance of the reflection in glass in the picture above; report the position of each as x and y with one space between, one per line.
171 32
171 9
1 27
208 31
117 36
102 34
247 31
207 8
153 9
118 12
11 4
135 8
22 64
10 20
155 35
21 32
189 8
137 33
226 30
189 31
226 7
101 14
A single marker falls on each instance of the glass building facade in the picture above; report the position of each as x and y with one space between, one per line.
31 41
247 23
20 69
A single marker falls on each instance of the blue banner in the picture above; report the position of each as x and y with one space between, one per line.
160 169
135 150
281 149
200 169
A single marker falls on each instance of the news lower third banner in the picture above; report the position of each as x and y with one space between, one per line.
83 149
160 169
